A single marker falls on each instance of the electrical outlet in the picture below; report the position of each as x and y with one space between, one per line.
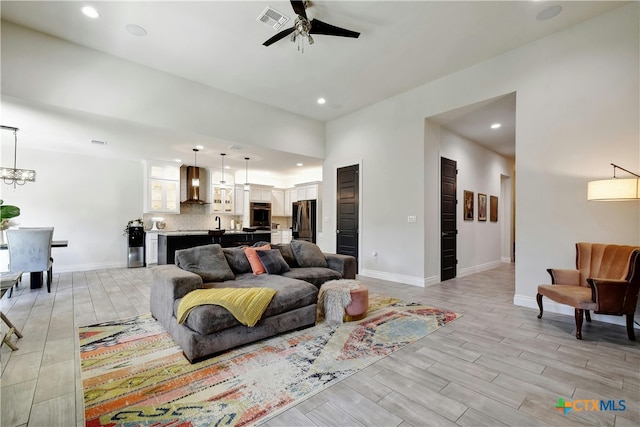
411 218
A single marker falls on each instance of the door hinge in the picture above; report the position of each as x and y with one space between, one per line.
456 262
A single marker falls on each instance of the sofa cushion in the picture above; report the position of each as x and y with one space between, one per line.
273 262
308 254
206 261
290 295
254 261
314 275
287 253
237 260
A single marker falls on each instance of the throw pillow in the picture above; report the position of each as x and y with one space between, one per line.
254 261
207 261
273 262
287 254
308 254
237 260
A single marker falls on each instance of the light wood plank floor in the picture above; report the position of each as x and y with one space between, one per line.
496 365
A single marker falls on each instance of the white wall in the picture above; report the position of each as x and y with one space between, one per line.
47 70
480 243
87 199
577 111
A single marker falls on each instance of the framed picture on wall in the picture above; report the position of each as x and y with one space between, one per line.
493 208
468 205
482 207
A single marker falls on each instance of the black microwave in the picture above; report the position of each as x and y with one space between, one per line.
260 214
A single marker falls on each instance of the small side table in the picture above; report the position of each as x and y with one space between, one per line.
7 281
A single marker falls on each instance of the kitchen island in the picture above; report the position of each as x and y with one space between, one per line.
170 241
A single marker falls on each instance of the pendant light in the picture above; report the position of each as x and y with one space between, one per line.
222 181
14 175
246 174
195 180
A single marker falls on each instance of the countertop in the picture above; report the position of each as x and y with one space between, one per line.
206 232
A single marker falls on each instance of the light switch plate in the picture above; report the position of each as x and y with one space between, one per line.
411 218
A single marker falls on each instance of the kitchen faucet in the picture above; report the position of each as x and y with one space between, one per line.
217 218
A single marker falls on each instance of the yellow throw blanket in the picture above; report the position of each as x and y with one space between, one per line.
246 304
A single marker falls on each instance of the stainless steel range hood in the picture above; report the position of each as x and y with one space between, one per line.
193 185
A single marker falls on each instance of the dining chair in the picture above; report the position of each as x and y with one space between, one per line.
30 251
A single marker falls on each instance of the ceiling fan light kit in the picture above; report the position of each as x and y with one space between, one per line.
304 28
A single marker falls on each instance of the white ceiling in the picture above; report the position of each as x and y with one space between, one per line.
403 44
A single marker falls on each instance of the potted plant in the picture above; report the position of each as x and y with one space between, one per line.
133 223
6 213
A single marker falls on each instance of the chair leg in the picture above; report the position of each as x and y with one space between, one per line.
587 314
579 312
630 331
539 299
49 279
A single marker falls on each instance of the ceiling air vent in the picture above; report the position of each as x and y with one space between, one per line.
272 18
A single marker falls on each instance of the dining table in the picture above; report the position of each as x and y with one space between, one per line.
36 276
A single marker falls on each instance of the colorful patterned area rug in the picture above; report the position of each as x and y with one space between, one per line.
133 374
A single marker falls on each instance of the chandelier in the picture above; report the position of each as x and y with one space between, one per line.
14 176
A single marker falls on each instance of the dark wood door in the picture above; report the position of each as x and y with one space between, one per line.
448 220
347 206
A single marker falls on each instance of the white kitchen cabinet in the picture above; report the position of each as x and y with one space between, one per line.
222 196
277 202
161 187
287 202
281 237
151 247
291 195
239 202
260 193
308 191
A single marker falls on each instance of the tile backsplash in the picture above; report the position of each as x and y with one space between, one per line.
196 217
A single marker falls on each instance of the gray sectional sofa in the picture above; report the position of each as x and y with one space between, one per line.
211 329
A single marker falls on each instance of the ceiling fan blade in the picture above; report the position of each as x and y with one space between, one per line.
319 27
282 34
298 7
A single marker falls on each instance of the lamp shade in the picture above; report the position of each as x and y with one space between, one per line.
614 189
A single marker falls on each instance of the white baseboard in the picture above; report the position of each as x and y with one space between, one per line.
399 278
553 307
86 267
478 268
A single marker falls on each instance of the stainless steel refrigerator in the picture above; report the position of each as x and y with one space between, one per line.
303 221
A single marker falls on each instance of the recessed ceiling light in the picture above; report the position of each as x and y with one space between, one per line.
90 12
299 164
199 147
177 160
549 12
495 125
136 30
321 101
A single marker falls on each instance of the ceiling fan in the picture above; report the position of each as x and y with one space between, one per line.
302 27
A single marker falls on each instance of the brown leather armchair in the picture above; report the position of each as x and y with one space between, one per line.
606 280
